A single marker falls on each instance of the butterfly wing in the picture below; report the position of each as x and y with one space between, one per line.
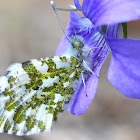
32 94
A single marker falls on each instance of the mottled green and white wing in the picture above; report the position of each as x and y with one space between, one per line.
32 94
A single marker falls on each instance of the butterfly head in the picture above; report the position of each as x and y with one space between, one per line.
77 45
77 42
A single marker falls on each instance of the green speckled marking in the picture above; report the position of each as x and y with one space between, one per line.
8 93
49 92
19 115
12 104
58 109
68 100
56 87
41 125
31 122
51 65
11 79
63 59
7 126
34 75
15 129
34 84
2 119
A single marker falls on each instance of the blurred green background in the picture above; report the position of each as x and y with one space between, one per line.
29 29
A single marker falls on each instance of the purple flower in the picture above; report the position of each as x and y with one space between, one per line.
124 67
110 11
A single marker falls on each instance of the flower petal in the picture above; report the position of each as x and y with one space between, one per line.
83 27
77 4
113 31
102 12
80 102
110 31
124 70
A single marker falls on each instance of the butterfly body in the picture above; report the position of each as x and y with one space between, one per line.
33 93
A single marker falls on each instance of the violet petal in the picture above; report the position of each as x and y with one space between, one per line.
124 70
77 4
83 27
113 31
80 102
102 12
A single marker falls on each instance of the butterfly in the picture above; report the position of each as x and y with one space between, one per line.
34 93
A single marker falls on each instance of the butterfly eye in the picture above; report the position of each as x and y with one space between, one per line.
82 45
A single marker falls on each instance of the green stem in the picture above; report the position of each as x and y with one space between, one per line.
124 26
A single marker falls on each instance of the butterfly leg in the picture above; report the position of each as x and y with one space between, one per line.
94 48
89 69
84 83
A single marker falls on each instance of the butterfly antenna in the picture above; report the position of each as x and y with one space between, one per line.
69 10
55 10
74 30
74 9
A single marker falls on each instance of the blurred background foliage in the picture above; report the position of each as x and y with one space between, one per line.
29 29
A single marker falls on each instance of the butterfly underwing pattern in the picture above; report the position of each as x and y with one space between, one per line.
34 93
